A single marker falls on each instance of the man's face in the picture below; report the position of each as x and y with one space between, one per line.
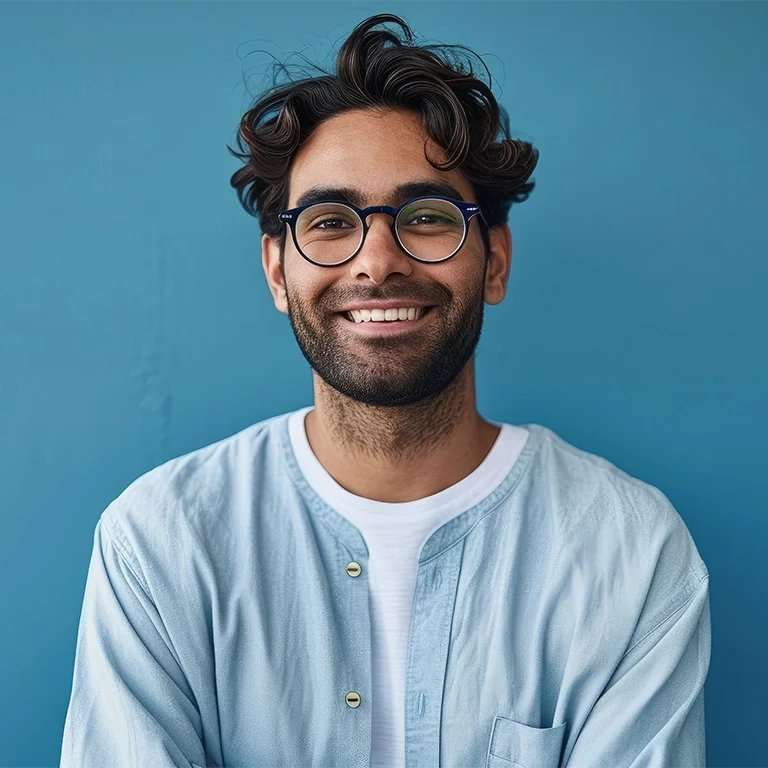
375 153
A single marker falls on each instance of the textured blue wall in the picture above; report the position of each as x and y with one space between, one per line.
135 323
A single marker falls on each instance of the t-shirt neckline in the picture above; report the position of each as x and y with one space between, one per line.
477 484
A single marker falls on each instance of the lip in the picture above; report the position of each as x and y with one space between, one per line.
386 327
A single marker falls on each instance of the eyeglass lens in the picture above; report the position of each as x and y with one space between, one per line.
329 233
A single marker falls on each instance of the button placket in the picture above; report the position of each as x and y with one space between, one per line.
427 655
353 698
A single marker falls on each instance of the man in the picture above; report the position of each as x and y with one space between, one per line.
387 578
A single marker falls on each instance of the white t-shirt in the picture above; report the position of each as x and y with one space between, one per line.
394 534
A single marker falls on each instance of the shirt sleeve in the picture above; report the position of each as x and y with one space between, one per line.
130 704
651 714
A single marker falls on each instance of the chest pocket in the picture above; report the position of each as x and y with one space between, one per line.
518 745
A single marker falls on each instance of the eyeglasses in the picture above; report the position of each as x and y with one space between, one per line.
429 229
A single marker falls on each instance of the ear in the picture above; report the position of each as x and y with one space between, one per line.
498 265
270 260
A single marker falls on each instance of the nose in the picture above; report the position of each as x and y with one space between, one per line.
380 255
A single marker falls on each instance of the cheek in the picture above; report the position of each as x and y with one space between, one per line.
463 279
309 289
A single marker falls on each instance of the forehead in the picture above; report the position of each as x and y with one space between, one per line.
373 154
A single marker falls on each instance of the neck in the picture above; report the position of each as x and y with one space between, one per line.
401 453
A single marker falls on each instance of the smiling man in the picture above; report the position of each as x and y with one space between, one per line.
386 578
394 417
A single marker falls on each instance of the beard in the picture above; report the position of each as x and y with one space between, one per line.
390 370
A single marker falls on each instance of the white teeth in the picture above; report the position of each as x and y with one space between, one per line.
385 315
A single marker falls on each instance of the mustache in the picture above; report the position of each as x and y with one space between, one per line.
434 295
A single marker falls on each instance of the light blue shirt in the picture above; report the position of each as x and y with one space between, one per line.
563 620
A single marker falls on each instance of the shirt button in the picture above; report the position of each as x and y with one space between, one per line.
354 569
353 699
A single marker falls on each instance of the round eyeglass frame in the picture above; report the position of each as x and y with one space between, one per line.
468 211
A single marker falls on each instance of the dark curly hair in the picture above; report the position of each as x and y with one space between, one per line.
457 110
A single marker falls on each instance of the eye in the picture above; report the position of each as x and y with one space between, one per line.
433 217
321 225
432 213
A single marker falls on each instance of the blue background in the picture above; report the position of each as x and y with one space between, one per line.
136 324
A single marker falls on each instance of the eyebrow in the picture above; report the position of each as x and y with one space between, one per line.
400 194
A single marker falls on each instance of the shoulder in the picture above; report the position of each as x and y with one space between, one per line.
176 506
617 527
622 555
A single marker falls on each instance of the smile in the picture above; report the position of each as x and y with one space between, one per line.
376 327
